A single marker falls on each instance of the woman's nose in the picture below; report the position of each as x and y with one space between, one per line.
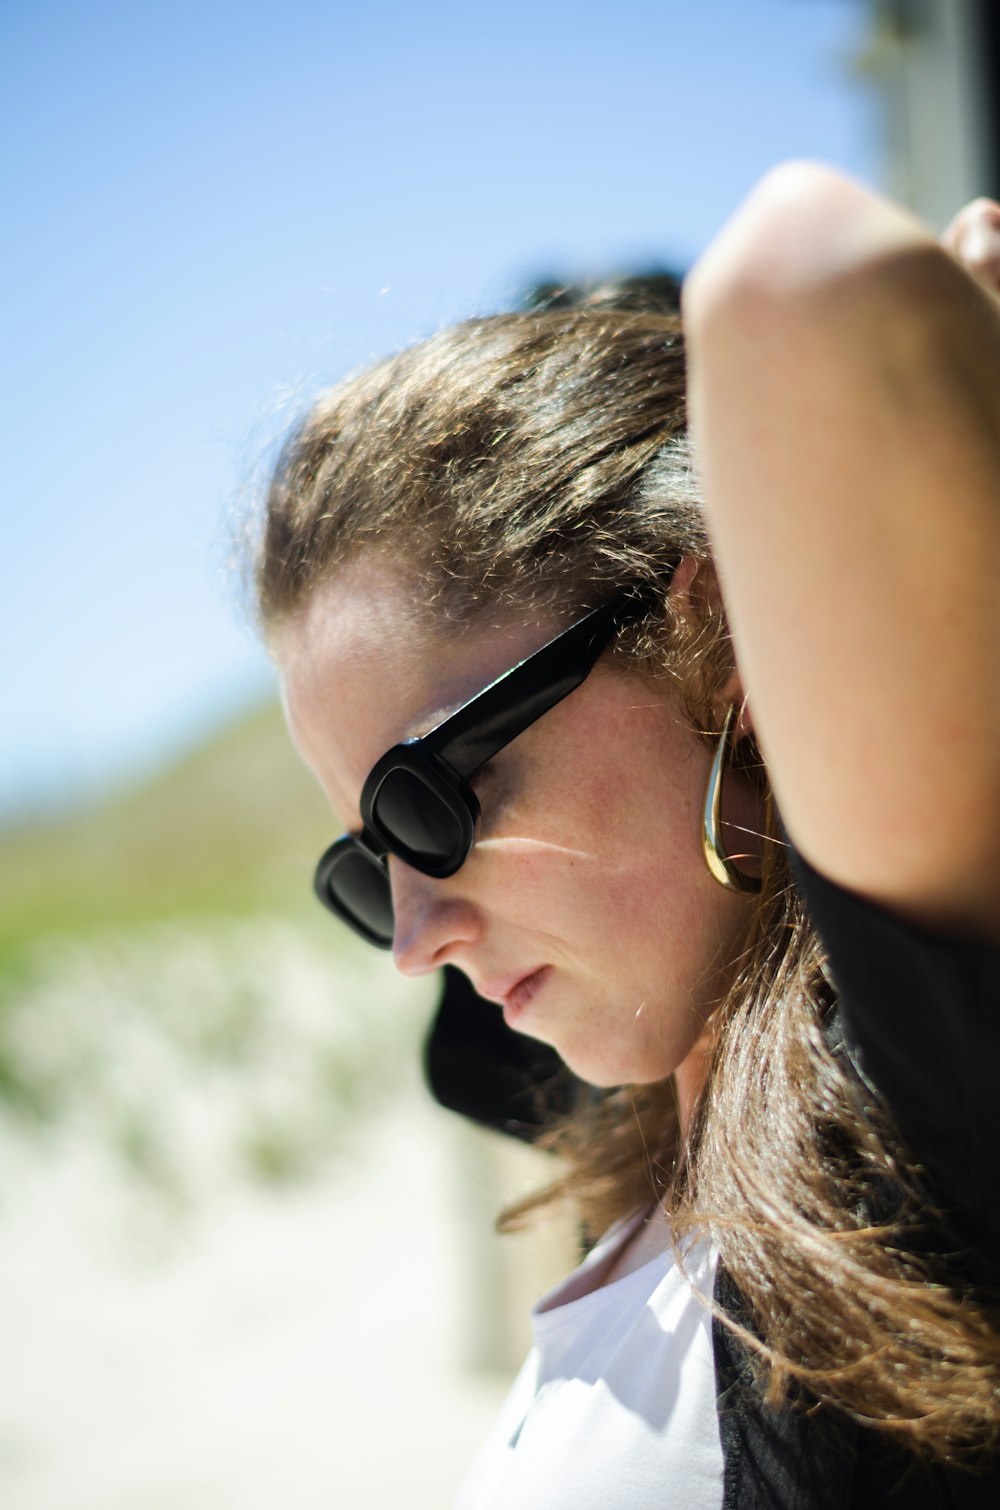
434 921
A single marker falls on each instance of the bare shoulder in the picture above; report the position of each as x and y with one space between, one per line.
845 397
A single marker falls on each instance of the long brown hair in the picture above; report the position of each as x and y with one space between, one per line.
538 460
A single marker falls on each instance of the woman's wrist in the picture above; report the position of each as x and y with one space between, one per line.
973 236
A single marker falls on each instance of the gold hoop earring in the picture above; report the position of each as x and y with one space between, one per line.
716 858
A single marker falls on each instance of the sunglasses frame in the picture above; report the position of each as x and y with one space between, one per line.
460 745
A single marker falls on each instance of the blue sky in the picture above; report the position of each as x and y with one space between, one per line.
213 209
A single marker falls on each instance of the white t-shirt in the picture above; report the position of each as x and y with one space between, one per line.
615 1407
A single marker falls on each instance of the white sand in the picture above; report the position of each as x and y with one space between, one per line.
294 1350
345 1343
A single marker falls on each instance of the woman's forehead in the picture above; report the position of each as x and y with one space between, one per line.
356 646
364 666
369 618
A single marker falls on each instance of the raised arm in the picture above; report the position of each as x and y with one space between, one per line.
845 400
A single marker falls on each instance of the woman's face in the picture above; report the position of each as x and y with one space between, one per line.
585 908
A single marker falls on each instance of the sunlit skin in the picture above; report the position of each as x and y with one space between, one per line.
585 908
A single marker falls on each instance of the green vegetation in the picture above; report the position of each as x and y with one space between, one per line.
233 828
173 998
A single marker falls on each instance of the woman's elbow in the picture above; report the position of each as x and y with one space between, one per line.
803 232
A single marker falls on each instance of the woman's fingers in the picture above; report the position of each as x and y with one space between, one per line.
974 238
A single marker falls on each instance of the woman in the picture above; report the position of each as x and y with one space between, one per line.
559 689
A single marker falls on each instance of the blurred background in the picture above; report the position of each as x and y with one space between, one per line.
237 1242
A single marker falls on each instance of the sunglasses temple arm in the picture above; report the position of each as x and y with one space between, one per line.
503 710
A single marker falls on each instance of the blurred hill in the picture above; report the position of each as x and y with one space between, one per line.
170 991
213 1133
234 827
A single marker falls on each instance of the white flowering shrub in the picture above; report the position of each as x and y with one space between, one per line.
192 1052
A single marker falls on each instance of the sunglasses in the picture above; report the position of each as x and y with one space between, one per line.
417 803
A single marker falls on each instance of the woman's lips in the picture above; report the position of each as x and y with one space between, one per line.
517 998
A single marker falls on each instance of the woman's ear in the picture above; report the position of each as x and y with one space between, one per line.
734 695
694 592
694 597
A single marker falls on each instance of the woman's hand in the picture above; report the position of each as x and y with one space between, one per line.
974 238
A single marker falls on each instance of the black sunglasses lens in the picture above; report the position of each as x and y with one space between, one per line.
359 886
418 820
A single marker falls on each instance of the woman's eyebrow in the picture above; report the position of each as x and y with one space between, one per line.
423 725
427 718
433 714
